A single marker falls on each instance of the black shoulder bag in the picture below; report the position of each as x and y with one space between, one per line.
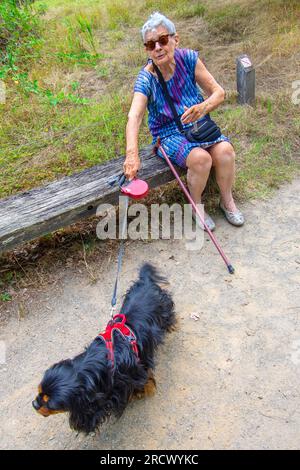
206 131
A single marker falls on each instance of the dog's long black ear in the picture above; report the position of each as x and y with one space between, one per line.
91 400
89 411
129 375
58 383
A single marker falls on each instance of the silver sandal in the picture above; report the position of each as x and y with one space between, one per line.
234 218
208 221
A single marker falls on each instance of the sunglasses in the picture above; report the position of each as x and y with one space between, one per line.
162 41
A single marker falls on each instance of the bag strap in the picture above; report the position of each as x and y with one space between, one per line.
170 101
168 98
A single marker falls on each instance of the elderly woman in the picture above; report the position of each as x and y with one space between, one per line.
182 70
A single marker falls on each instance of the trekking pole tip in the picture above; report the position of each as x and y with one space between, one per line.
230 268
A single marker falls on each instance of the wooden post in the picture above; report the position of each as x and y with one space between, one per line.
245 77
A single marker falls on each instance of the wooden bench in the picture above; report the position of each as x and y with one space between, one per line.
34 213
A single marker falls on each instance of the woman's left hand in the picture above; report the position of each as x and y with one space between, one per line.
194 113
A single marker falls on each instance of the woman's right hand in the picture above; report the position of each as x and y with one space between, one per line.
135 116
131 167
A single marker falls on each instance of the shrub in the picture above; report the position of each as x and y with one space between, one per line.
19 35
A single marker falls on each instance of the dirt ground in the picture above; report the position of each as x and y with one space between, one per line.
229 380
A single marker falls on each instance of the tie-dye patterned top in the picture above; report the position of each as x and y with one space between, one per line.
182 88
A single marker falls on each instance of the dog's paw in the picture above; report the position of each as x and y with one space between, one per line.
174 327
149 388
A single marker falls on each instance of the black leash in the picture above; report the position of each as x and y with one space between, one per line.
120 179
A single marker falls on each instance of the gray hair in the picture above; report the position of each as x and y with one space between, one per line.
157 19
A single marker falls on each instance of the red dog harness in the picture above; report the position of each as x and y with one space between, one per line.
125 331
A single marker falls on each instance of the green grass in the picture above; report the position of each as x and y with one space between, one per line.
57 141
263 169
190 10
5 297
50 127
266 153
50 4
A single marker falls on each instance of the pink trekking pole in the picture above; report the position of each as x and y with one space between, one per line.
188 196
